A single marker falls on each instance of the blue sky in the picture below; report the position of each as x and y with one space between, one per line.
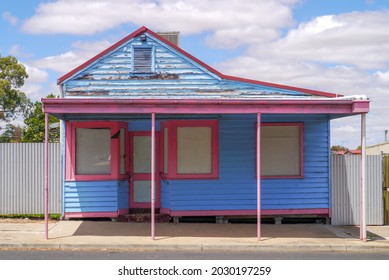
340 46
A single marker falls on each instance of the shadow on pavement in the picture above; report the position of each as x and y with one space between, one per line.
98 228
353 231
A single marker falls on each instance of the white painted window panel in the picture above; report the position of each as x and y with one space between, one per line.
142 191
280 151
93 151
142 154
194 150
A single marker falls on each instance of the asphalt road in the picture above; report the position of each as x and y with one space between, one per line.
182 255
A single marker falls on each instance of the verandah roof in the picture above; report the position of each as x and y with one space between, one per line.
63 107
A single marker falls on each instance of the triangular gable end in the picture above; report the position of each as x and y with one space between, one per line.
145 65
142 65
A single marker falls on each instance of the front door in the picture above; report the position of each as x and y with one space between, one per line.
140 170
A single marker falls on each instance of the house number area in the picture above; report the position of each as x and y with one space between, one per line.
243 271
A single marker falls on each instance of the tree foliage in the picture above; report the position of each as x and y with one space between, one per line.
35 125
12 100
12 134
339 148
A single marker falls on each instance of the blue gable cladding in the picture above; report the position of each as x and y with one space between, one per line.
174 76
113 76
236 187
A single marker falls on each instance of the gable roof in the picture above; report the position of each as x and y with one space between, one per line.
226 78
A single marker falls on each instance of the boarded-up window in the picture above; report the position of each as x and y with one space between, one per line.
93 151
281 150
191 149
142 154
194 150
142 59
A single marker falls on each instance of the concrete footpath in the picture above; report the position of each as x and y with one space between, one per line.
106 235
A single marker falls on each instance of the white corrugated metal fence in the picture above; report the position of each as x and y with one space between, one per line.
22 183
345 188
22 178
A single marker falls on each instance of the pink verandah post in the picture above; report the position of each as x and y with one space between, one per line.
362 193
259 177
46 176
153 176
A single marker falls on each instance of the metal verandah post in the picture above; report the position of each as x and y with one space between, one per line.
46 176
258 158
362 212
153 176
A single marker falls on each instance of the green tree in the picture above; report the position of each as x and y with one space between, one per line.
35 125
338 148
12 100
11 134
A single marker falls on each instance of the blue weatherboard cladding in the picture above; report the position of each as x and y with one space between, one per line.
236 187
95 196
173 76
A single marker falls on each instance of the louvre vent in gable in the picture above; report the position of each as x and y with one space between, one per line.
143 59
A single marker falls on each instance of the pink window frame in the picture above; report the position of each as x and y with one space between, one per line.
172 152
301 136
70 166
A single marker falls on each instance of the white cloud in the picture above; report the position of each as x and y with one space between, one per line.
36 75
65 62
14 50
360 39
37 86
34 91
18 51
10 18
253 22
34 86
382 77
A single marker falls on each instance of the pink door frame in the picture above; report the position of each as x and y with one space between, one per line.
142 176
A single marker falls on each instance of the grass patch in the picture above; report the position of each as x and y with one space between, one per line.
30 216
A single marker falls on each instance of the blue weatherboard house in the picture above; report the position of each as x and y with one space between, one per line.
147 125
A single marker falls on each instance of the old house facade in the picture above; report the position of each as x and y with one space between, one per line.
147 125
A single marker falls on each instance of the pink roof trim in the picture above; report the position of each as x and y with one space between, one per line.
144 29
121 106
